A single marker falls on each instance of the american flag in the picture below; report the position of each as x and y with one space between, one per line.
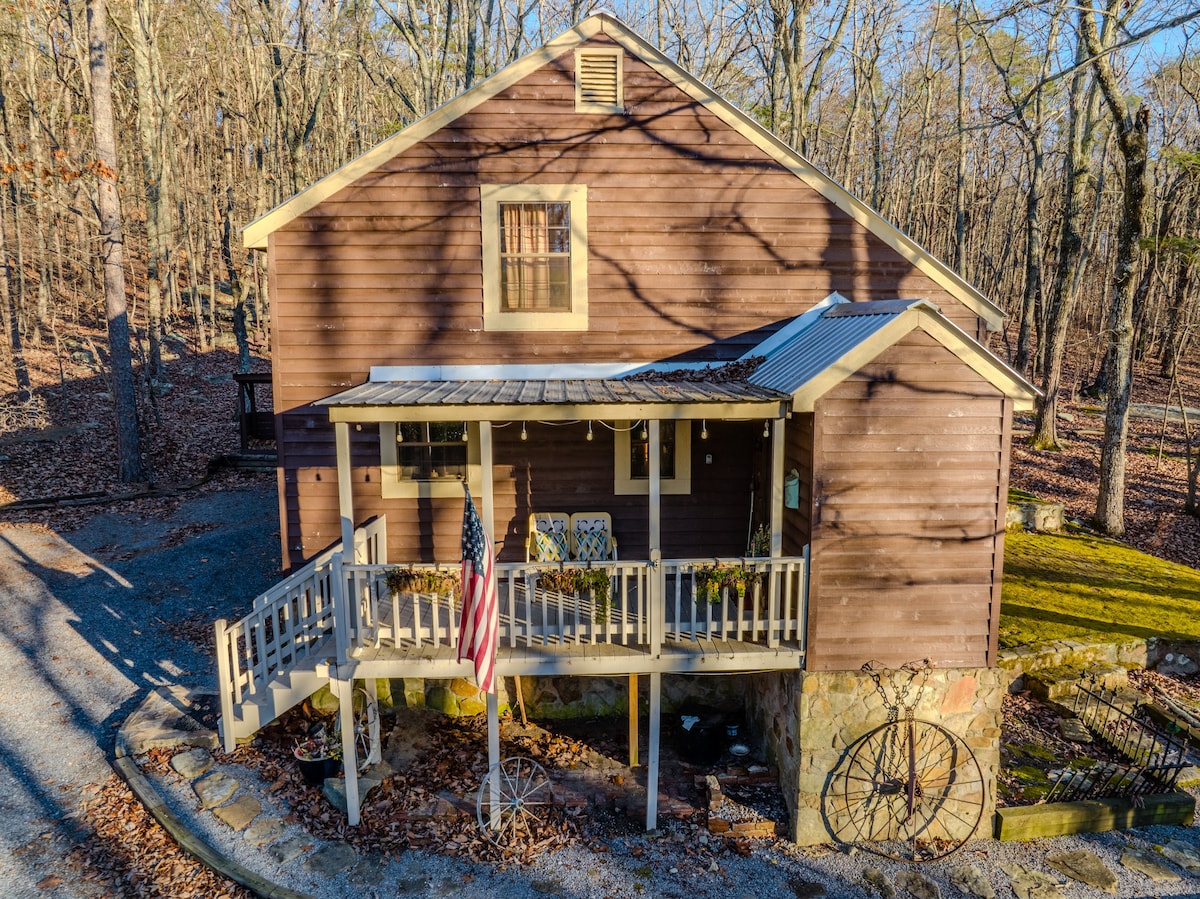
481 608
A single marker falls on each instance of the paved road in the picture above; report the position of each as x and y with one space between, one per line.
84 633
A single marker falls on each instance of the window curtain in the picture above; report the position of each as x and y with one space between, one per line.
535 256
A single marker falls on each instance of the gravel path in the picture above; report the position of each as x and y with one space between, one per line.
91 623
85 631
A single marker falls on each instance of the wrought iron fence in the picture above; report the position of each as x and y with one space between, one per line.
1155 757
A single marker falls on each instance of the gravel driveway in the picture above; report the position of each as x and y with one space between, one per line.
85 631
92 620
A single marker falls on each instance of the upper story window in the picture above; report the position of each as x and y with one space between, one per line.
534 257
599 81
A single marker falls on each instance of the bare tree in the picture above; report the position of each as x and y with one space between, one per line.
131 468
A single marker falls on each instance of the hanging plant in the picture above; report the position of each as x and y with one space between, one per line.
713 580
422 580
576 581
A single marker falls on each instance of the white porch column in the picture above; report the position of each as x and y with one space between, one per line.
487 514
652 766
774 581
777 454
655 451
657 610
345 490
343 687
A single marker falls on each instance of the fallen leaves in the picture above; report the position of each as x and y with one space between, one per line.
132 856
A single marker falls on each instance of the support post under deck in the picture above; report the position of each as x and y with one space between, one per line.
652 766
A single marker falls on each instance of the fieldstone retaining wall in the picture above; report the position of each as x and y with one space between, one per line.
1167 656
572 696
810 719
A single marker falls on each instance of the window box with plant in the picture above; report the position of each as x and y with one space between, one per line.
422 580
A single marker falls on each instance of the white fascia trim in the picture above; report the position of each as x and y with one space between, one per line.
599 371
794 327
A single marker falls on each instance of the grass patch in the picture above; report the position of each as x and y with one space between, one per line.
1081 587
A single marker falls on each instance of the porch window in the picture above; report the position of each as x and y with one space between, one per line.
420 458
633 458
534 239
639 452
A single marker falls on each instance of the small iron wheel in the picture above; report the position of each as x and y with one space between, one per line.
513 801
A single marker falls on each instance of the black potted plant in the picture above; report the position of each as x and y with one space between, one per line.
318 756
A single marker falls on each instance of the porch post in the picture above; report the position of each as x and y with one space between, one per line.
652 765
486 496
345 490
656 612
655 451
344 688
487 512
774 581
777 454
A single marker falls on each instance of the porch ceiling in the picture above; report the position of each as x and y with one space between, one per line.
554 399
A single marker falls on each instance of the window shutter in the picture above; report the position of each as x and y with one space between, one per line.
598 85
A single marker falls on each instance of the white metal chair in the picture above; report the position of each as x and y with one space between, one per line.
549 537
592 537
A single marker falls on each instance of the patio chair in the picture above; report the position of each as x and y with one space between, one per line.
592 537
549 539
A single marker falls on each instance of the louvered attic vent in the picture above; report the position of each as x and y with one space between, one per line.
598 81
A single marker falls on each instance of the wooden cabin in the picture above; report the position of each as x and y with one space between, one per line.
590 286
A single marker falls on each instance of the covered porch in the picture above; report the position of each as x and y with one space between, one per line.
340 620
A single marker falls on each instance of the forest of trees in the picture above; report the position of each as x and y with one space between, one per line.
1049 151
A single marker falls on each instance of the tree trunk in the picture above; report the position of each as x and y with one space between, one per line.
1061 302
1133 140
131 468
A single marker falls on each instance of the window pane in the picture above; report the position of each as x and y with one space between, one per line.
639 449
535 257
431 451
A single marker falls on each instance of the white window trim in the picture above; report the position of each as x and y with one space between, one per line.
680 485
582 105
490 198
396 488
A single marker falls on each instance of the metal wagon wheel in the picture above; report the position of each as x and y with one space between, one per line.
523 796
910 790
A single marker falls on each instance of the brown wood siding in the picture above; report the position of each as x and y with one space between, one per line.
798 455
910 464
695 237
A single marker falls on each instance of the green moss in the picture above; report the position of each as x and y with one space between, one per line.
1082 763
1035 792
1087 588
1029 774
1020 496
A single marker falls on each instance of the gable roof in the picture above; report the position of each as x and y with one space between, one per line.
255 234
847 336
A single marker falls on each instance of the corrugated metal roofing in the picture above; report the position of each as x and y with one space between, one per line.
824 342
548 393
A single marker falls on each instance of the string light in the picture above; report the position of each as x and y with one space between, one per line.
464 432
399 433
645 433
703 429
766 428
589 436
524 433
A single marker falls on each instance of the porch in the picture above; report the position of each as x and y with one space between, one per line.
333 623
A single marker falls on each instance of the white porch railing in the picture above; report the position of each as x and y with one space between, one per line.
770 610
286 622
650 606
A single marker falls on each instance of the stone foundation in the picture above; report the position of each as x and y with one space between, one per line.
573 696
808 721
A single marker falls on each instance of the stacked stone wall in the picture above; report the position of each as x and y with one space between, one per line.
809 721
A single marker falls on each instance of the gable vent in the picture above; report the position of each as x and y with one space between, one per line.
598 86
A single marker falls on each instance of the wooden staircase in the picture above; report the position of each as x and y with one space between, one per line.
280 654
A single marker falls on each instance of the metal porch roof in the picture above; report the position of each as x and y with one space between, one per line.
822 344
551 392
